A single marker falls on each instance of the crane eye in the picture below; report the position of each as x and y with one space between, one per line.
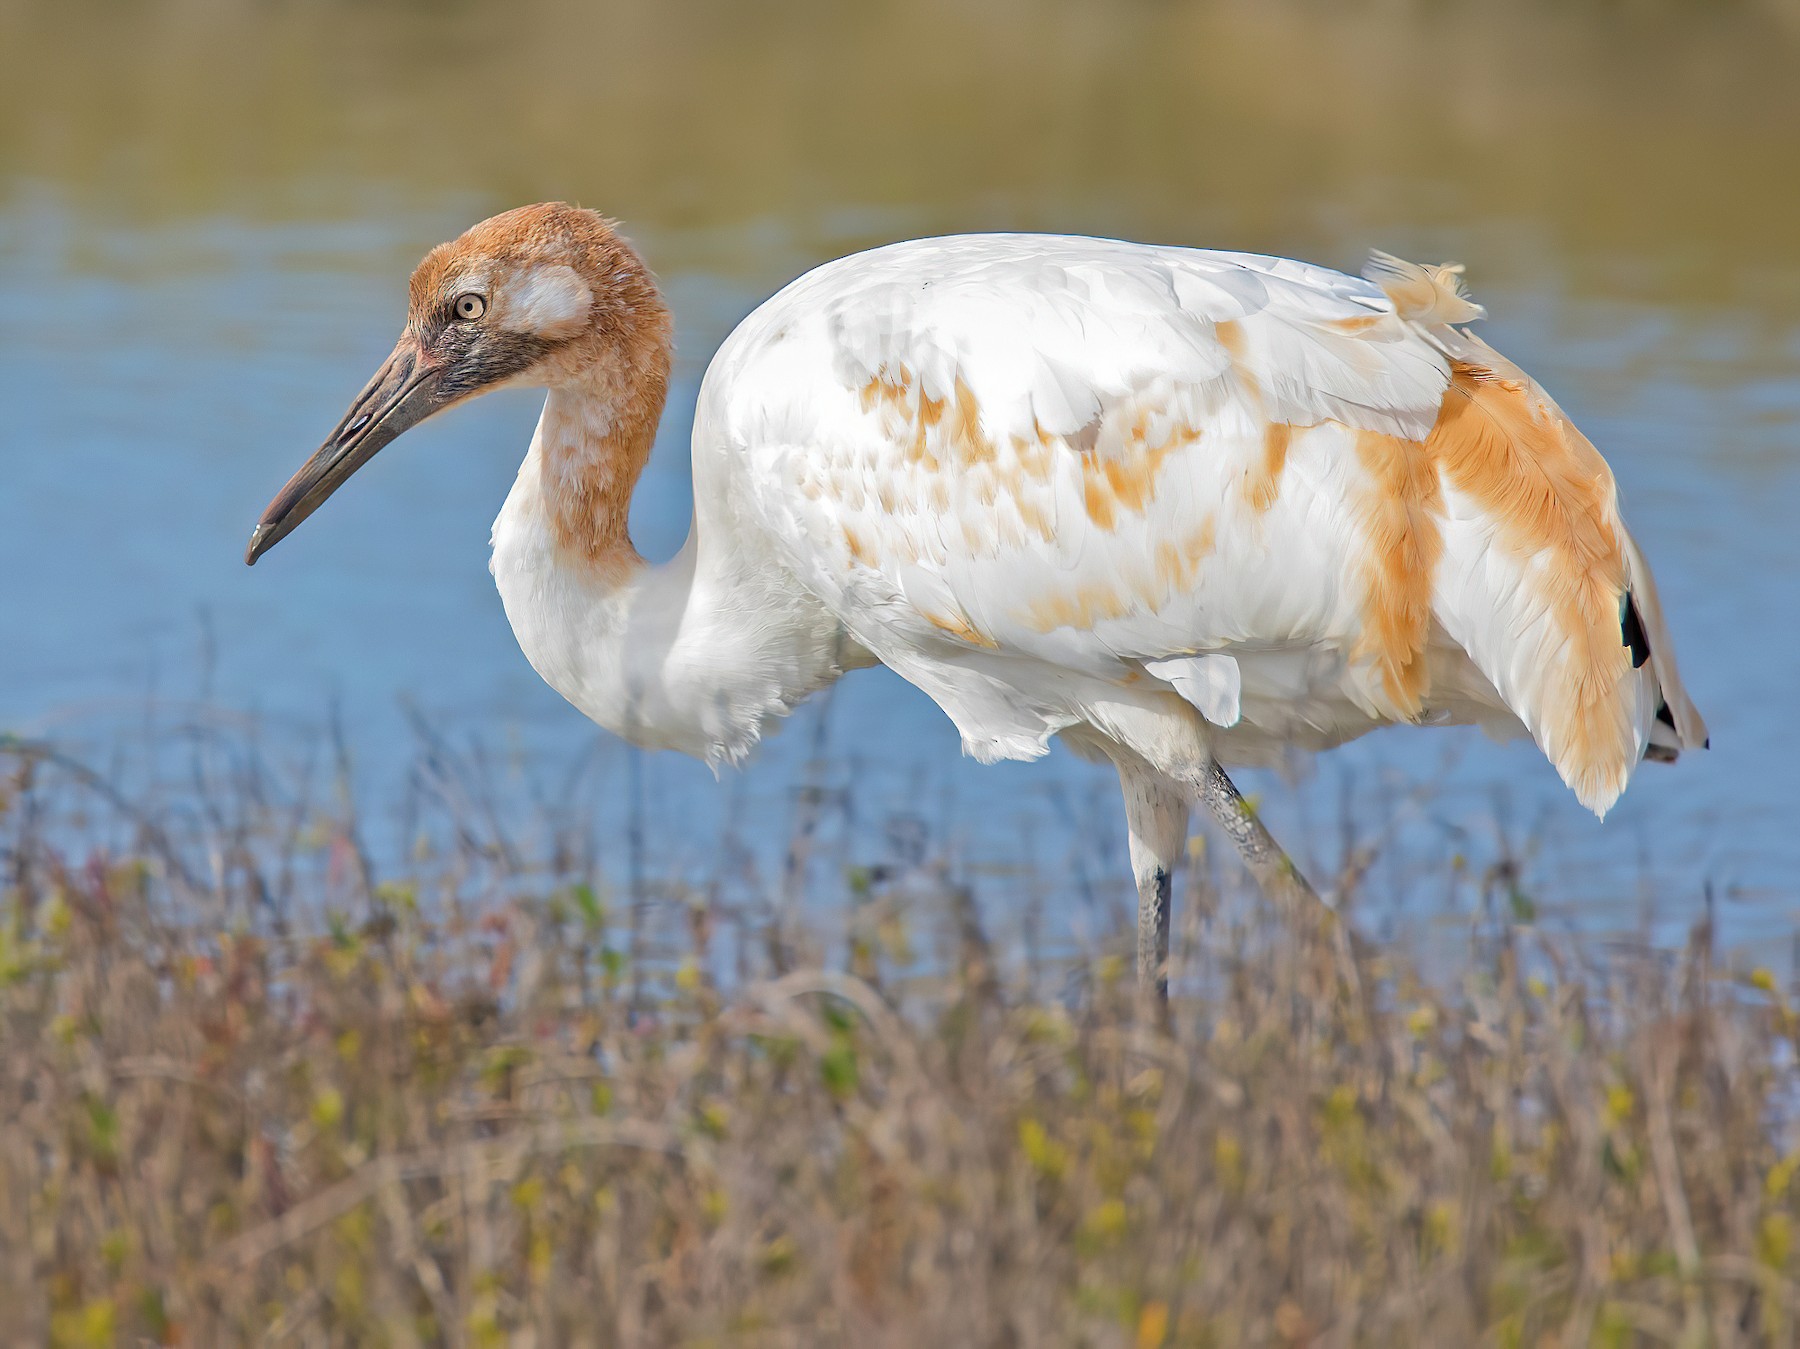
470 306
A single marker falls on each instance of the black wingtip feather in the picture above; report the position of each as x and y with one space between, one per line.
1631 630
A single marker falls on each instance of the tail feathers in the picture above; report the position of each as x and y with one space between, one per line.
1665 743
1678 724
1586 685
1546 566
1552 598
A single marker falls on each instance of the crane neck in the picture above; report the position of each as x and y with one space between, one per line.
695 654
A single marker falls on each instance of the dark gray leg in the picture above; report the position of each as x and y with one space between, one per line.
1154 894
1273 869
1156 814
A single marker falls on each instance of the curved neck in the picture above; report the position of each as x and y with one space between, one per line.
696 654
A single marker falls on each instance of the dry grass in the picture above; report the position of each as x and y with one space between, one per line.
489 1124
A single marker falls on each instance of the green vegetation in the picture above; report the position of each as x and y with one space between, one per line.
485 1124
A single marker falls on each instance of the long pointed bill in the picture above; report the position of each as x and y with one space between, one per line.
403 393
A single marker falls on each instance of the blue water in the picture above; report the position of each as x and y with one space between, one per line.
162 380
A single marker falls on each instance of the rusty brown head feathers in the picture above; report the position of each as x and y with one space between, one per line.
546 295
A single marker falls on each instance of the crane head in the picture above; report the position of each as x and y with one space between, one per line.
538 295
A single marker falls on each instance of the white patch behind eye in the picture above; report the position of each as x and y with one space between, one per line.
548 301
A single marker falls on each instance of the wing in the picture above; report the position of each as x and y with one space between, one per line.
1126 462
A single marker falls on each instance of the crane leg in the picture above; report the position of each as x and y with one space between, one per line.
1276 875
1156 818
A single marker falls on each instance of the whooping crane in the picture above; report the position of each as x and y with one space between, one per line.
1174 506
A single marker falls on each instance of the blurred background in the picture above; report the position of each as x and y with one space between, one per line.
209 209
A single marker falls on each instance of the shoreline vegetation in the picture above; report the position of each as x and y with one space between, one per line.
251 1094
